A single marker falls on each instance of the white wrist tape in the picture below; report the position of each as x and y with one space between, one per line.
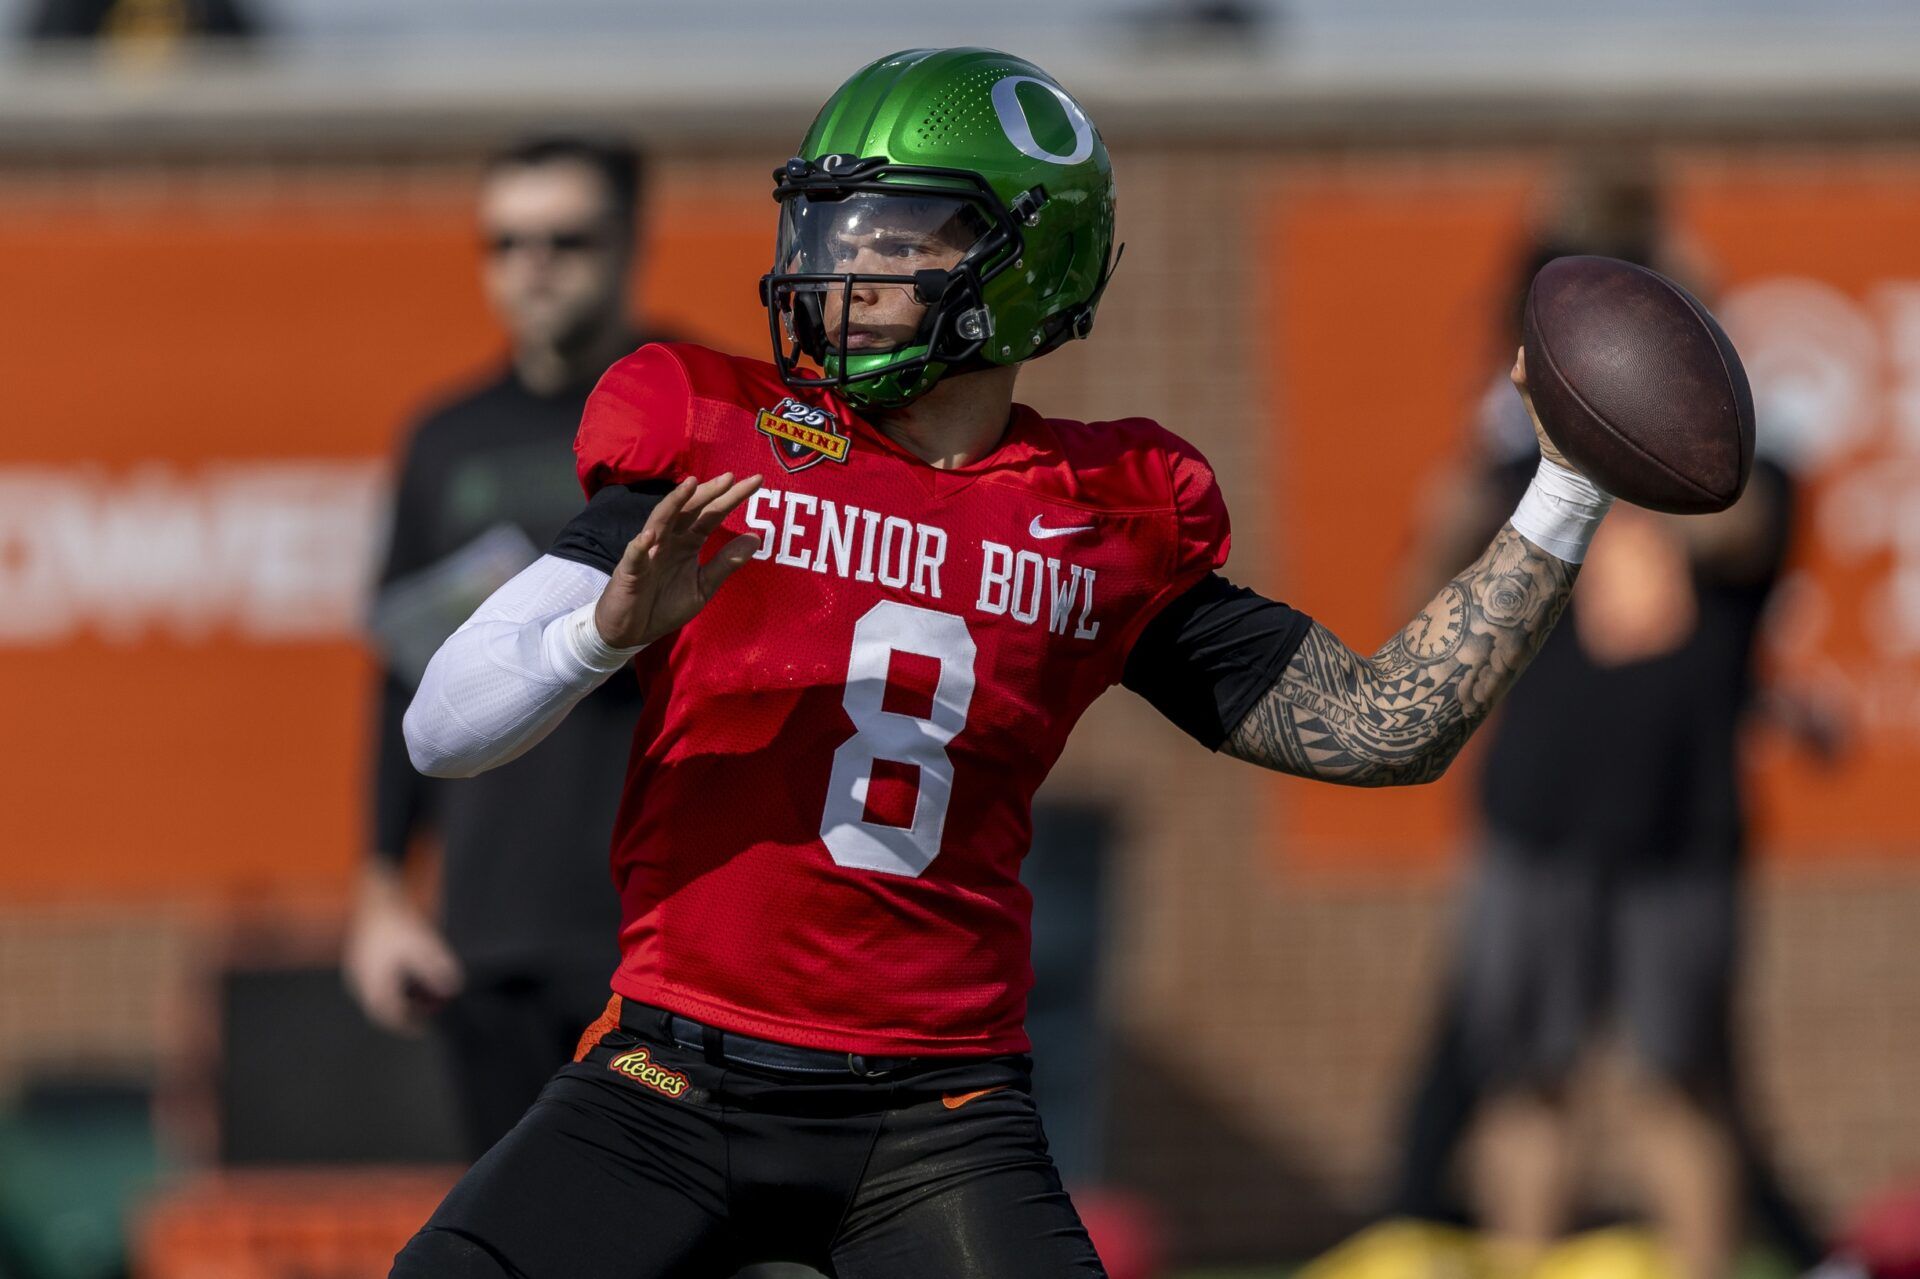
1561 511
581 650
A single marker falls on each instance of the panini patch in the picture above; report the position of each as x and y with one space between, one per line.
802 434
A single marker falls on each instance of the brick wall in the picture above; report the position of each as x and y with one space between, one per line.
1265 1024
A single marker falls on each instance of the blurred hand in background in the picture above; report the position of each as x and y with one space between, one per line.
397 964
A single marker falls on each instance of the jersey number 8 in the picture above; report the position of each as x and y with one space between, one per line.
880 734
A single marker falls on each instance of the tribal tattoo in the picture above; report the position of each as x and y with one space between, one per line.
1400 717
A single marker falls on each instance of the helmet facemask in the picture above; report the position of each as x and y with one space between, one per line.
863 245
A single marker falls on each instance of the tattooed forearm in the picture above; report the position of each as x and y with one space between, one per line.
1401 716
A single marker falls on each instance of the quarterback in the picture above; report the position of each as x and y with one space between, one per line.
868 596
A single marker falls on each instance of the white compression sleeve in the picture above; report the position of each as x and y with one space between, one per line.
1561 511
512 671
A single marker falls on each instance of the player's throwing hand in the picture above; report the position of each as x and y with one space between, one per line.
660 582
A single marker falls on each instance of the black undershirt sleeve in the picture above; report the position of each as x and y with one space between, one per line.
1211 654
598 536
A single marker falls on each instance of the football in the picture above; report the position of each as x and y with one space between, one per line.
1638 385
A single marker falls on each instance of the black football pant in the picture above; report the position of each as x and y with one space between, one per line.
648 1158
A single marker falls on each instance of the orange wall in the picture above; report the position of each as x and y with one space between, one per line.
1820 264
161 348
1391 278
1380 347
213 369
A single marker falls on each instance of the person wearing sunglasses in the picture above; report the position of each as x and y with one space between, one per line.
515 959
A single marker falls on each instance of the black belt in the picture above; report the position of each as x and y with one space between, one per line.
721 1047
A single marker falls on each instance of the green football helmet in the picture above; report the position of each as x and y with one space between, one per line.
971 158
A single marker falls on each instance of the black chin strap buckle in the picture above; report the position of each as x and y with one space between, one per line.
930 286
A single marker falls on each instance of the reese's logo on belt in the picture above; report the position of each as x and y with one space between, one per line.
802 434
641 1068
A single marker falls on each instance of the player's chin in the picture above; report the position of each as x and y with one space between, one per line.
872 343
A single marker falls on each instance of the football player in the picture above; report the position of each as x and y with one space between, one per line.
860 661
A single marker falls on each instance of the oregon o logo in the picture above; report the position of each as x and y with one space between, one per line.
1013 119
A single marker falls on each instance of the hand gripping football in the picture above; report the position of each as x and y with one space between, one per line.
1638 385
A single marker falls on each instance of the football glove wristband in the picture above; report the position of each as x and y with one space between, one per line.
1561 511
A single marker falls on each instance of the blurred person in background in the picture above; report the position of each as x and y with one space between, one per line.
517 961
1606 890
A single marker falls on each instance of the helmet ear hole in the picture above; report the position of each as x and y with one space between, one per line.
1062 270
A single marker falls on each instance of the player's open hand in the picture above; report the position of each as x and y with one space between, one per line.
660 582
1548 449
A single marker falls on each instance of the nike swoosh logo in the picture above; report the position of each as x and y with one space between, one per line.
1042 532
955 1100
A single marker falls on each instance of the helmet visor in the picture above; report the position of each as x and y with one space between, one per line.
852 272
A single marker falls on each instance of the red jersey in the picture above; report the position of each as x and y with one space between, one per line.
831 785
